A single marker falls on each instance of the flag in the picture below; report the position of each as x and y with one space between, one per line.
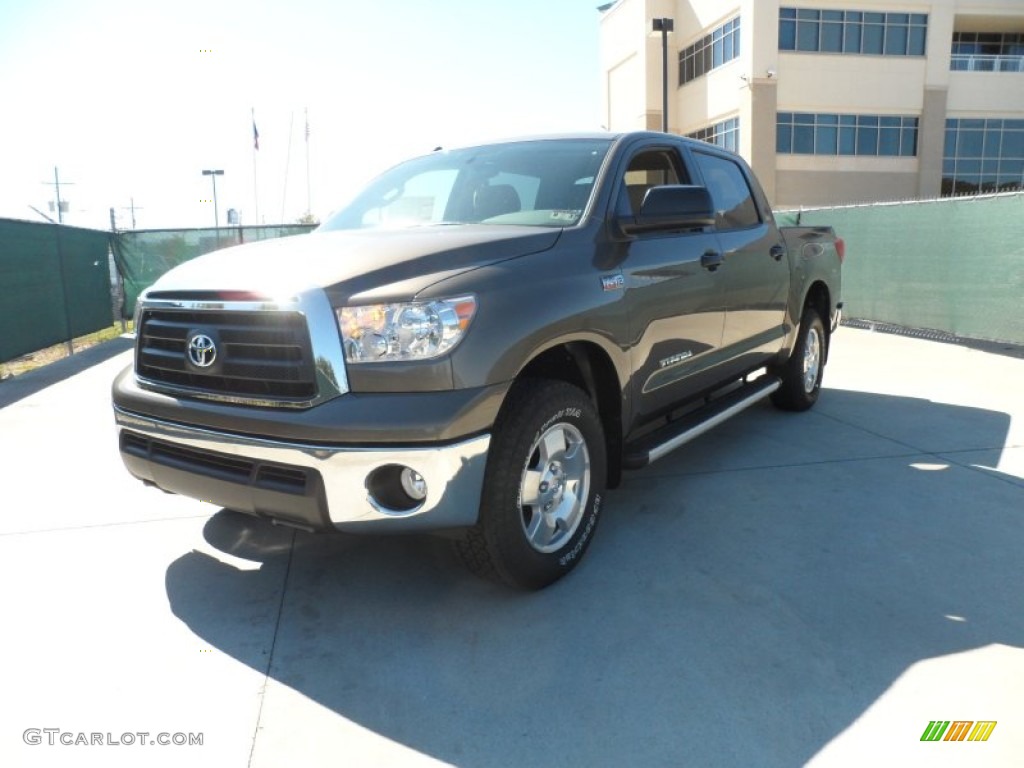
255 135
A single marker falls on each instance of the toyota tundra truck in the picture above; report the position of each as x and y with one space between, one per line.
480 344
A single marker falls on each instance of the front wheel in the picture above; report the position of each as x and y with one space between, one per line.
801 374
542 489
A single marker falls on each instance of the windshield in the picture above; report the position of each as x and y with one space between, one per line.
544 183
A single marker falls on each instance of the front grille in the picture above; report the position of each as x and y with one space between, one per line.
259 355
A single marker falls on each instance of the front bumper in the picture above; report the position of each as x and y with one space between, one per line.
312 486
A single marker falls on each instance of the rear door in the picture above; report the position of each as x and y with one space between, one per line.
754 276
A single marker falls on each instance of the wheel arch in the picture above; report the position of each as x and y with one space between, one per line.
819 298
587 365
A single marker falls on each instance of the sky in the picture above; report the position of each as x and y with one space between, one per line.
132 99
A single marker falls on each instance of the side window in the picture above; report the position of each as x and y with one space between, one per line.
734 204
653 168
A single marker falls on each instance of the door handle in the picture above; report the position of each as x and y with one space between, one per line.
711 260
777 252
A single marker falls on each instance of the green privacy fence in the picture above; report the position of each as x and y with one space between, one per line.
54 285
954 265
142 256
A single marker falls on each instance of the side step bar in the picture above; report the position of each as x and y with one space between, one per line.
671 436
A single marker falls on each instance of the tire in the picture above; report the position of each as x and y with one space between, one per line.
801 374
543 487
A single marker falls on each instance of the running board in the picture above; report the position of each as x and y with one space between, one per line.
668 438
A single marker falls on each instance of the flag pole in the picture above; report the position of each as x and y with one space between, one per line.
309 195
255 148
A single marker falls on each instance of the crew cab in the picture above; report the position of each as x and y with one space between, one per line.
480 344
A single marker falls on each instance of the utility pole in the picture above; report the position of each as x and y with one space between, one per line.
61 205
132 207
213 174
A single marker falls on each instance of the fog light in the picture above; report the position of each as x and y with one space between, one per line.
396 489
414 484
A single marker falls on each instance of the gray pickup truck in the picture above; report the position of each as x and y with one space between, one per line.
480 344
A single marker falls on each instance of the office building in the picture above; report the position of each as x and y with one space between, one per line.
831 101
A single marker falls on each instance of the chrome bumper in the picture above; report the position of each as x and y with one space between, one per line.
453 473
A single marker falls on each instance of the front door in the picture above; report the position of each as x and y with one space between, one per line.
675 311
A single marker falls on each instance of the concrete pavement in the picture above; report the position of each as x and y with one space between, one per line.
788 589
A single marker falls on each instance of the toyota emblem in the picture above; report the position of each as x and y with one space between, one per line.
201 351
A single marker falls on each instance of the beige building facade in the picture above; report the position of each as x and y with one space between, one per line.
831 101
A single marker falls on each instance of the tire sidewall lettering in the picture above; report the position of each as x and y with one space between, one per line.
584 535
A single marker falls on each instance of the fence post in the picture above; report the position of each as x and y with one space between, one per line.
69 344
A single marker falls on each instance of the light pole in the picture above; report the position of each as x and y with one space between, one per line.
213 177
664 26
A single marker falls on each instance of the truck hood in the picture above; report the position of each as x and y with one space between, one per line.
366 264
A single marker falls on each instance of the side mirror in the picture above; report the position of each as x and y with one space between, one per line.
671 207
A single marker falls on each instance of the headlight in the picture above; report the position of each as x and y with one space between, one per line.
379 333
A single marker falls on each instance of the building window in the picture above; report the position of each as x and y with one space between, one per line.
725 134
802 133
983 156
852 32
719 47
987 52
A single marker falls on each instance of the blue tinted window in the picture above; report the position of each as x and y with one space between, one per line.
908 142
856 32
867 141
826 140
832 38
847 141
807 36
896 40
874 34
804 133
889 142
725 134
784 139
787 35
713 50
803 140
982 156
970 144
918 35
851 38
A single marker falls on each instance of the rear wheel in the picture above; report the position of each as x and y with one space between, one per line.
542 489
801 374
